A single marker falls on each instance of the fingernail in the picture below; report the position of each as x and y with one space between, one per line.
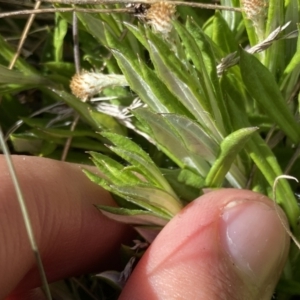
255 241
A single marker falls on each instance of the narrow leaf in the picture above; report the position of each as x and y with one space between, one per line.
138 83
114 171
60 32
155 197
130 216
171 132
264 89
229 149
222 35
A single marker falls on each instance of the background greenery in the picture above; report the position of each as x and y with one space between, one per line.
218 107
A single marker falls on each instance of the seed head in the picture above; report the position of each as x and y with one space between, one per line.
87 84
159 16
254 8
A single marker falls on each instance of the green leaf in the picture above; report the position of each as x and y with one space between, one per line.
153 196
26 143
161 92
157 202
147 85
28 80
184 186
222 35
212 91
132 153
210 52
229 149
77 142
105 122
47 149
6 89
194 150
176 75
125 143
182 139
124 200
267 163
191 179
232 18
114 43
7 52
139 33
133 217
292 14
114 171
60 32
275 15
295 61
274 60
148 170
265 160
82 108
140 202
251 32
65 69
93 25
65 133
290 76
264 89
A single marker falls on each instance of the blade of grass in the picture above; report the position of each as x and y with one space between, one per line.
26 217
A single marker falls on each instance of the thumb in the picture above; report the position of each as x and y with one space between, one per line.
228 244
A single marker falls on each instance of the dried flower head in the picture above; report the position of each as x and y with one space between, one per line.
87 84
158 15
254 8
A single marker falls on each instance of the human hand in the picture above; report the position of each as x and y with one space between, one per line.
228 244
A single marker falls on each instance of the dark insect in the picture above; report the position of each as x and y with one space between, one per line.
140 9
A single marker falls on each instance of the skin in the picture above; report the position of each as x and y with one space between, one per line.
190 259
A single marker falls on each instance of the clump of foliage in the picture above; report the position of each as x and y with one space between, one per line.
212 102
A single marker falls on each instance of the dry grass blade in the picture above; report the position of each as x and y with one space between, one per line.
24 35
18 2
26 217
100 2
12 172
287 229
77 67
68 9
181 3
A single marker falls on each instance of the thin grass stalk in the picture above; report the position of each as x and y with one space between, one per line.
26 217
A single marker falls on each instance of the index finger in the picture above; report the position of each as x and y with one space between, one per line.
73 237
